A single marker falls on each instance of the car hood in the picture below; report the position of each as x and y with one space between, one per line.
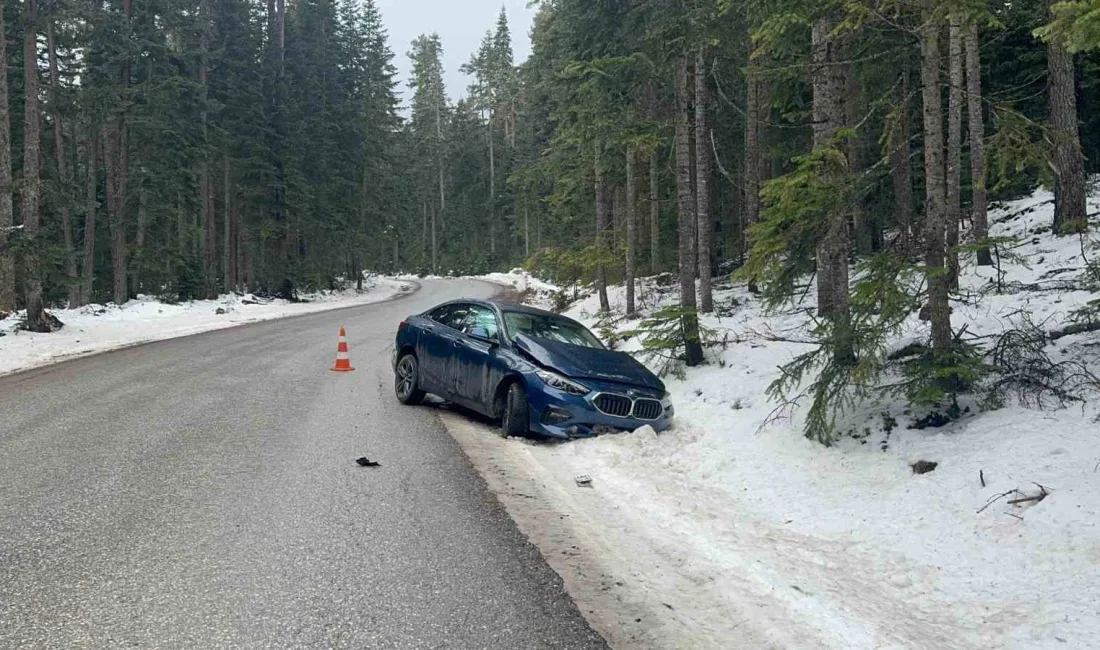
588 363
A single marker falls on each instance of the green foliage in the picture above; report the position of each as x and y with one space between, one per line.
793 221
1019 154
1076 25
663 340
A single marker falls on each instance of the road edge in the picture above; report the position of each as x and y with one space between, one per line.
76 356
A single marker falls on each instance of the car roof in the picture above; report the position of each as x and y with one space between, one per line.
504 306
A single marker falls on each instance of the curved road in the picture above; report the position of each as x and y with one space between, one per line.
201 493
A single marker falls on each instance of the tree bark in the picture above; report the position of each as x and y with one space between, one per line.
954 148
686 206
7 216
139 259
1070 208
704 227
630 217
654 215
750 213
91 205
939 309
829 84
32 182
602 217
229 262
206 183
435 245
901 171
62 170
863 226
117 163
492 190
979 212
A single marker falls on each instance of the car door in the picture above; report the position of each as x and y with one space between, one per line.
437 346
473 359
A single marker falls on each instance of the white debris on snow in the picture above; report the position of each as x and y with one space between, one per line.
846 547
98 328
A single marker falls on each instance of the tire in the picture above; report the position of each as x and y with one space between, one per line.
514 421
407 380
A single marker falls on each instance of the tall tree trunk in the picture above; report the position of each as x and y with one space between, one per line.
206 182
1070 208
602 218
91 206
686 206
979 213
7 216
229 232
630 217
750 213
863 225
939 309
32 182
138 259
492 190
829 85
654 214
704 227
114 155
117 163
900 169
954 148
435 245
526 231
182 244
62 170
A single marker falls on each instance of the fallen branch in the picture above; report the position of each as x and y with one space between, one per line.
1079 328
995 498
1037 498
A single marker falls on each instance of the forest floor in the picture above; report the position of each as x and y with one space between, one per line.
98 328
728 528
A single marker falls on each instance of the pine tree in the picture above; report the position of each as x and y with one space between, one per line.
7 221
1070 210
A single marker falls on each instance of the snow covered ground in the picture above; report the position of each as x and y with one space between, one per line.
725 532
528 288
98 328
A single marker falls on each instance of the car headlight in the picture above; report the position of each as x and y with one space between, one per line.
554 380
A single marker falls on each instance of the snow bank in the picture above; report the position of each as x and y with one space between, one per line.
846 547
531 290
98 328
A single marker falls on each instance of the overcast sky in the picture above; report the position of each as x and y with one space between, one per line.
460 24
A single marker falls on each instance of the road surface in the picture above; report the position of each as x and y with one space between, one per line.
201 493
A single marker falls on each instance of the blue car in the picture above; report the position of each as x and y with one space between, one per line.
533 370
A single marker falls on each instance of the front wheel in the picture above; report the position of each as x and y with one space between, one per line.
407 380
514 422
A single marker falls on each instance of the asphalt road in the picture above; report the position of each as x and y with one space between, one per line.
202 493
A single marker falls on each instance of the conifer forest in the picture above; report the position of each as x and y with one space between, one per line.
186 148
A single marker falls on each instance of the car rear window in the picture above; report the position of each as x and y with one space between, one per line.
551 328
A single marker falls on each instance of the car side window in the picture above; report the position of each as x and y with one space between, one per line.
456 317
440 315
485 318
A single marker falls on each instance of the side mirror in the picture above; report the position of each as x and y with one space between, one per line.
482 334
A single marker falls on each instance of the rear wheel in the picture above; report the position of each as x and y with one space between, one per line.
407 380
514 421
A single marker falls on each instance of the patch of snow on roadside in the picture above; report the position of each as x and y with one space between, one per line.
856 549
98 328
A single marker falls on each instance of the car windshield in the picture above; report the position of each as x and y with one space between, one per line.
552 328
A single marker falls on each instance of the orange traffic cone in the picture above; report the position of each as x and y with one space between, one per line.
343 362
